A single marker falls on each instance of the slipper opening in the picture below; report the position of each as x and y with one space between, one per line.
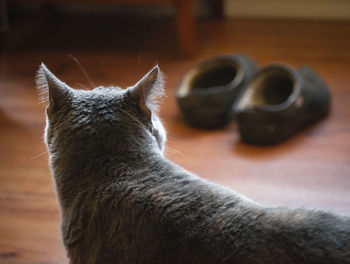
218 75
273 87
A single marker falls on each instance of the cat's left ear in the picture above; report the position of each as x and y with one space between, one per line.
51 88
148 90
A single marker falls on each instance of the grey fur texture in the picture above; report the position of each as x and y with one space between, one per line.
123 202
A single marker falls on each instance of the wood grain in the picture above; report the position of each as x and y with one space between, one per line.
312 169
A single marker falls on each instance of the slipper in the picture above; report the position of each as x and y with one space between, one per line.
208 91
278 102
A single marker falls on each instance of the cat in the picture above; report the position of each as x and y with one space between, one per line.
123 202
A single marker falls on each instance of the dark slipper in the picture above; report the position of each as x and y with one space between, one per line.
208 91
278 102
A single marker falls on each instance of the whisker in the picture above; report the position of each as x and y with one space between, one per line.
83 70
139 57
39 155
81 86
172 150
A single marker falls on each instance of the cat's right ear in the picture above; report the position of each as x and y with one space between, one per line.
51 88
148 90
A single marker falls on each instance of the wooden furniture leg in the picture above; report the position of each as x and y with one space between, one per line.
218 8
185 25
3 16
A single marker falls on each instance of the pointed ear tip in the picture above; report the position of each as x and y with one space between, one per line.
155 69
45 76
43 68
41 73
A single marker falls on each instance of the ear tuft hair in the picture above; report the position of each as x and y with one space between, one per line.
42 84
157 92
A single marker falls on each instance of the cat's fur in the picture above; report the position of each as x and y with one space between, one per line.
123 202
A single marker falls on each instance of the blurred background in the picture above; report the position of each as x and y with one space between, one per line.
117 42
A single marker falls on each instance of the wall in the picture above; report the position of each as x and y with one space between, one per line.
324 9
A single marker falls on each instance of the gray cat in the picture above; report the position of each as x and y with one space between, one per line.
123 202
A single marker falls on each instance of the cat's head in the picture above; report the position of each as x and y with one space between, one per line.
105 120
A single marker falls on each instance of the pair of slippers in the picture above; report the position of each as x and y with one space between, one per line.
270 104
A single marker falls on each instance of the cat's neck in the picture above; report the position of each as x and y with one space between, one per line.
92 158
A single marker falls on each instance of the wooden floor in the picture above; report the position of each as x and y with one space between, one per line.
310 170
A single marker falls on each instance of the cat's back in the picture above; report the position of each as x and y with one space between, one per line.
163 213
